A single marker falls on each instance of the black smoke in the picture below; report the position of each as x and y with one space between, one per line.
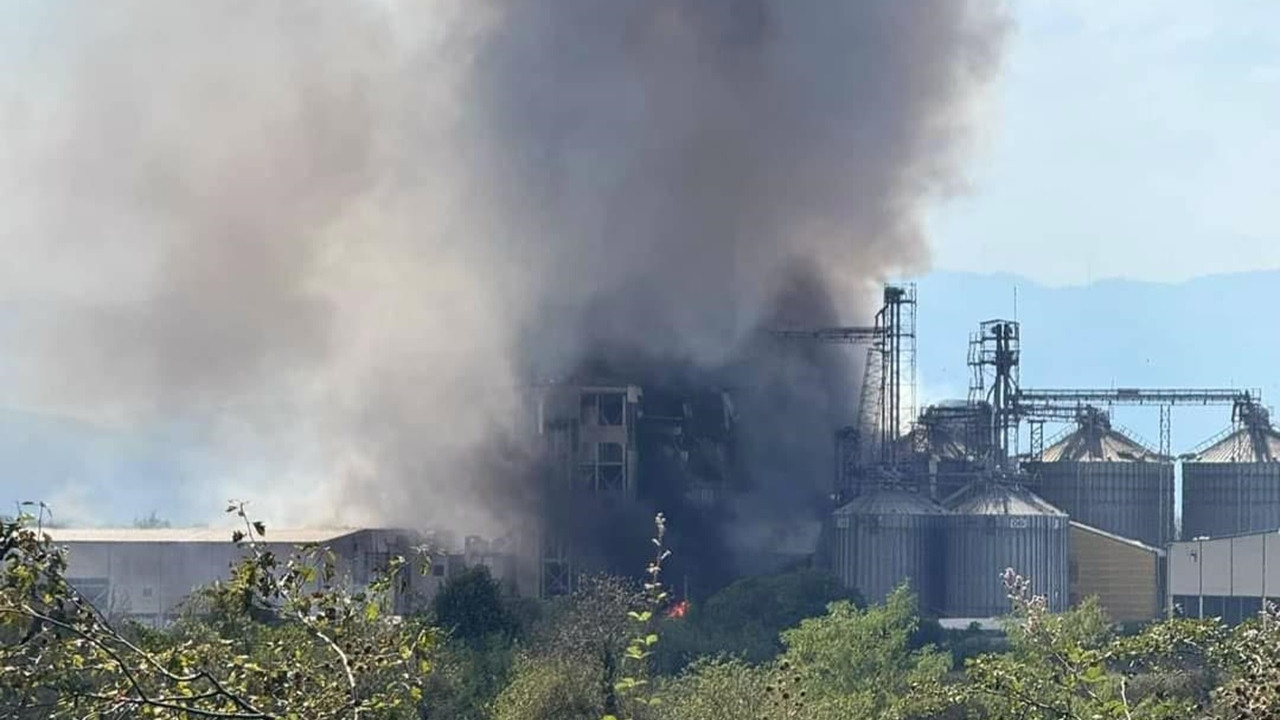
338 238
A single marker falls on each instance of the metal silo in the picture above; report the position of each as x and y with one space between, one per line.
1233 486
1102 478
885 537
994 526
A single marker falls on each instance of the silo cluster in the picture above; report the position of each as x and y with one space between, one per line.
953 556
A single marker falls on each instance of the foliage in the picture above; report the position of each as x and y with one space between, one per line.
470 606
1071 665
746 618
466 678
861 661
327 653
285 637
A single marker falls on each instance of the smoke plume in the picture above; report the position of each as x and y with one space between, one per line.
332 240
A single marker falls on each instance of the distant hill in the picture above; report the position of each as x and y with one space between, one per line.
1208 332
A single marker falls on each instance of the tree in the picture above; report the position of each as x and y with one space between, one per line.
327 653
746 618
1070 666
860 663
470 606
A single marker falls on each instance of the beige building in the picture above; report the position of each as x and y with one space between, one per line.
145 575
1225 577
1125 575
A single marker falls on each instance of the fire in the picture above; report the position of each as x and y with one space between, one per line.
679 609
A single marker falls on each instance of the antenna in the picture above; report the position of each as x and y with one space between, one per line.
1015 302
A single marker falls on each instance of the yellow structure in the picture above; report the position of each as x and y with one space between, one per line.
1125 575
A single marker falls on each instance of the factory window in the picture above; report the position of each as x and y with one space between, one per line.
97 591
590 414
602 408
437 569
611 407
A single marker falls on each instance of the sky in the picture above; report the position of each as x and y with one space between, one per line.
1136 139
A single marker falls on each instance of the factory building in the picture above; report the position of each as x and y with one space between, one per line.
1125 575
145 575
607 445
1233 486
1103 478
1225 577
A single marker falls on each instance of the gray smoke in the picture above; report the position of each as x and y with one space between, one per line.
336 237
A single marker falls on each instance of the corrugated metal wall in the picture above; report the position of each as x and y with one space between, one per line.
979 549
1130 499
873 554
1229 498
1124 577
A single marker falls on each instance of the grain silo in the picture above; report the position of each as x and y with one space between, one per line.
1105 479
1233 486
994 526
888 536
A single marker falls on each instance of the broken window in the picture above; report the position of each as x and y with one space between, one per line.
589 409
611 408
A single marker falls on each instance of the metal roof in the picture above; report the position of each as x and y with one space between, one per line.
1096 442
1244 445
1000 499
891 502
191 535
1117 538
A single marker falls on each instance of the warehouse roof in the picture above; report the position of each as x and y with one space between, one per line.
1117 538
192 535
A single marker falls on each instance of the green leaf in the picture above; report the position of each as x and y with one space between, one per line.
259 527
237 537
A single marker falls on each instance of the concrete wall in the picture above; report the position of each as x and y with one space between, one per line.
1124 575
1241 566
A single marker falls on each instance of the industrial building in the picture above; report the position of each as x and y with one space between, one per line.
1127 576
1090 514
1224 577
146 574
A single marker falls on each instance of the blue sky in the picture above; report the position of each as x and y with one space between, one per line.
1129 138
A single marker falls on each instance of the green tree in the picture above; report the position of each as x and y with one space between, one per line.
746 618
327 652
471 607
1071 666
860 663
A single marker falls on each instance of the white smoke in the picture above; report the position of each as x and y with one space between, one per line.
337 236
